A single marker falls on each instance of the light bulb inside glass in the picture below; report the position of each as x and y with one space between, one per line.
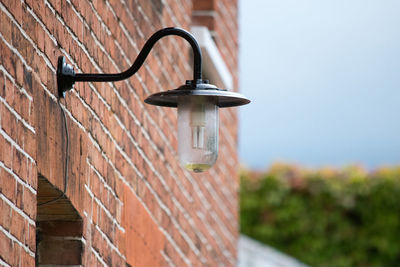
197 132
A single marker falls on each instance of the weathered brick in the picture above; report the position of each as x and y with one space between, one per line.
7 212
204 5
6 247
17 227
7 184
26 259
29 200
31 238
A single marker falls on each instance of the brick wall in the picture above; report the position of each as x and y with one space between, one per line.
135 204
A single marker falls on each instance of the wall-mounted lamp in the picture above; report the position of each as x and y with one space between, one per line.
197 102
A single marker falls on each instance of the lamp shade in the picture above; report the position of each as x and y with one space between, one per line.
223 98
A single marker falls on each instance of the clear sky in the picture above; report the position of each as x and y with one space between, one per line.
324 78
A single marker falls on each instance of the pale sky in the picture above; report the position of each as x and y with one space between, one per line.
324 80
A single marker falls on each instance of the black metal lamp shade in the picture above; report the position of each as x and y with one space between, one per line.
222 97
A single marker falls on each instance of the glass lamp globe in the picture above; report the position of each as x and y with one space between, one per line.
198 104
198 122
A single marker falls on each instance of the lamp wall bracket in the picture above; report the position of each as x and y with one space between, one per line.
66 76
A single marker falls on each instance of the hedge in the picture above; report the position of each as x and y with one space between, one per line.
325 217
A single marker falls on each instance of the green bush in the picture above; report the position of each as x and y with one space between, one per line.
325 217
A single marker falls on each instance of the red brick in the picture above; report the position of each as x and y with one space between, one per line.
31 238
29 200
19 196
17 227
7 184
138 223
204 5
6 250
6 218
26 260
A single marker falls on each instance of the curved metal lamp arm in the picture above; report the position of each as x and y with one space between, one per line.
66 76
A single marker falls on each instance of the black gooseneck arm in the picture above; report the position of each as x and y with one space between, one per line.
66 76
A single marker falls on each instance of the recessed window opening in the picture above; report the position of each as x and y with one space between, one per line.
58 228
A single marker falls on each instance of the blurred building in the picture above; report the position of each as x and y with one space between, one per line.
254 254
127 201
